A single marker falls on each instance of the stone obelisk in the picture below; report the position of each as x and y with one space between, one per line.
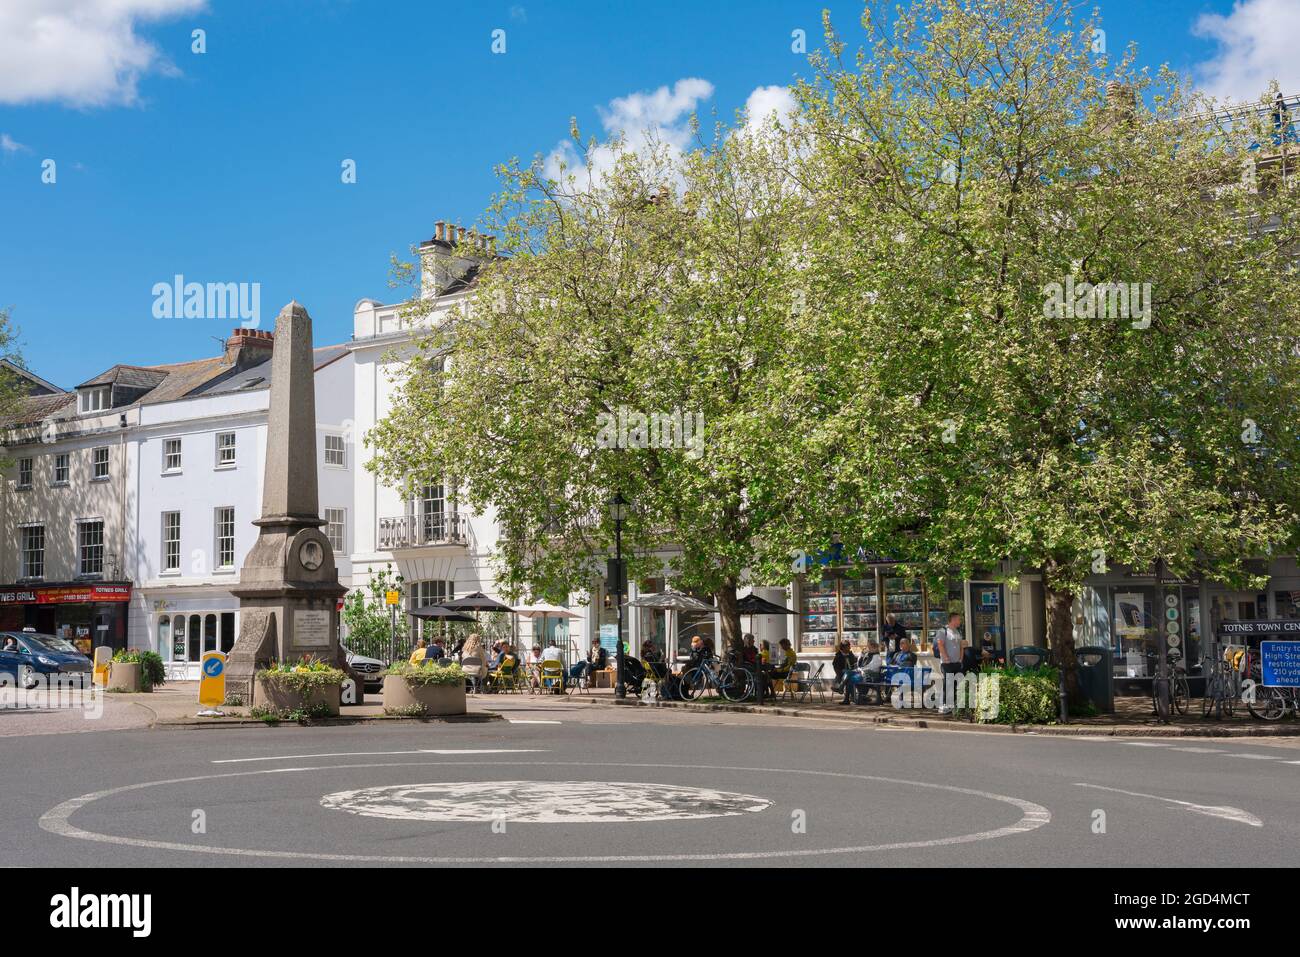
289 586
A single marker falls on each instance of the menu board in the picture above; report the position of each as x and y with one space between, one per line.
820 610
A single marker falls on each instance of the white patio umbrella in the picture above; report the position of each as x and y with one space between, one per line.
544 611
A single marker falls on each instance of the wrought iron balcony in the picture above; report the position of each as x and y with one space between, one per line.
421 531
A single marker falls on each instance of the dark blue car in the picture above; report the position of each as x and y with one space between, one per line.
24 655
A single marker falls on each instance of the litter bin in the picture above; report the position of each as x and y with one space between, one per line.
1096 677
1028 656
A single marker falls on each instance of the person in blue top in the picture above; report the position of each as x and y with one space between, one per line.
904 657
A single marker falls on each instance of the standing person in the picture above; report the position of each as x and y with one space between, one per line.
893 633
948 642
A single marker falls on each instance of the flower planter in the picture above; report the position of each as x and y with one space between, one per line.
268 694
436 699
126 676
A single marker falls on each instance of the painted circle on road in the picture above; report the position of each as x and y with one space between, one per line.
57 820
543 802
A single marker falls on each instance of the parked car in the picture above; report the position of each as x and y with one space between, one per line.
35 655
370 670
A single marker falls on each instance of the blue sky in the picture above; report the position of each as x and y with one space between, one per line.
225 166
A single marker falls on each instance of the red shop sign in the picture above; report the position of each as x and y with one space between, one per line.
65 595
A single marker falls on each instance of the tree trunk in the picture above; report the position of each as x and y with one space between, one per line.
732 641
1060 634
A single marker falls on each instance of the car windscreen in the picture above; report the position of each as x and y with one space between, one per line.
38 644
59 644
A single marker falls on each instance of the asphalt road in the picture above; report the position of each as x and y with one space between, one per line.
666 788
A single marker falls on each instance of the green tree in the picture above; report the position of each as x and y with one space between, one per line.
639 283
976 158
368 618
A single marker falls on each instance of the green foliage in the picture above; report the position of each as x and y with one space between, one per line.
234 700
300 715
368 619
126 656
973 156
154 671
422 675
1026 697
302 677
406 711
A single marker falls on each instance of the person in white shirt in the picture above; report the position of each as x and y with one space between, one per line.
948 643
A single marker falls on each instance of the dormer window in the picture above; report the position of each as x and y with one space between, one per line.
97 399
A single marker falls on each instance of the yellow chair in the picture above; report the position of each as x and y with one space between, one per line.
506 677
552 676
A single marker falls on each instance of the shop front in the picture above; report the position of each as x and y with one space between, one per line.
857 605
87 614
183 629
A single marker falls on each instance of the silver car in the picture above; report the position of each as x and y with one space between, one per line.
370 670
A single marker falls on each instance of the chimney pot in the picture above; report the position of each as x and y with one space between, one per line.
438 228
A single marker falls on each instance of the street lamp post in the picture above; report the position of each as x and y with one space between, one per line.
618 512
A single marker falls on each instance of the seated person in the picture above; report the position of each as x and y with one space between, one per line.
436 651
749 655
870 666
844 661
10 643
781 670
419 653
649 652
700 653
904 657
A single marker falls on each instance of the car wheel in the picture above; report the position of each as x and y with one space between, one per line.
27 676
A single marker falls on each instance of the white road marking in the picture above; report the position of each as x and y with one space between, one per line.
57 820
366 754
531 721
1255 757
1148 744
1200 750
1210 810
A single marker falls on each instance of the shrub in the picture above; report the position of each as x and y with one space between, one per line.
154 671
424 675
1025 697
304 677
127 656
300 715
407 711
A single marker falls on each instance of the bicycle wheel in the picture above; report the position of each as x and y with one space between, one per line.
734 683
693 684
1179 693
1267 704
1209 703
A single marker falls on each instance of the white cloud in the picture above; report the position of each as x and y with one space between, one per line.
1257 44
10 145
765 101
80 52
641 119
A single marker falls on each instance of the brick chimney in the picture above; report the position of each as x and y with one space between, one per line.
248 347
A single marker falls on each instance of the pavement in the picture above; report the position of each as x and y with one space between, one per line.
175 705
574 781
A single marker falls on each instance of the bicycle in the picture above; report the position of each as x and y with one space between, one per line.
1266 702
727 680
1220 692
1180 691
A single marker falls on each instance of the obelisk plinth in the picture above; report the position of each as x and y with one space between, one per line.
289 586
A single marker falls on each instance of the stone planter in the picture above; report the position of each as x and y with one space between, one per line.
436 699
268 695
126 677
